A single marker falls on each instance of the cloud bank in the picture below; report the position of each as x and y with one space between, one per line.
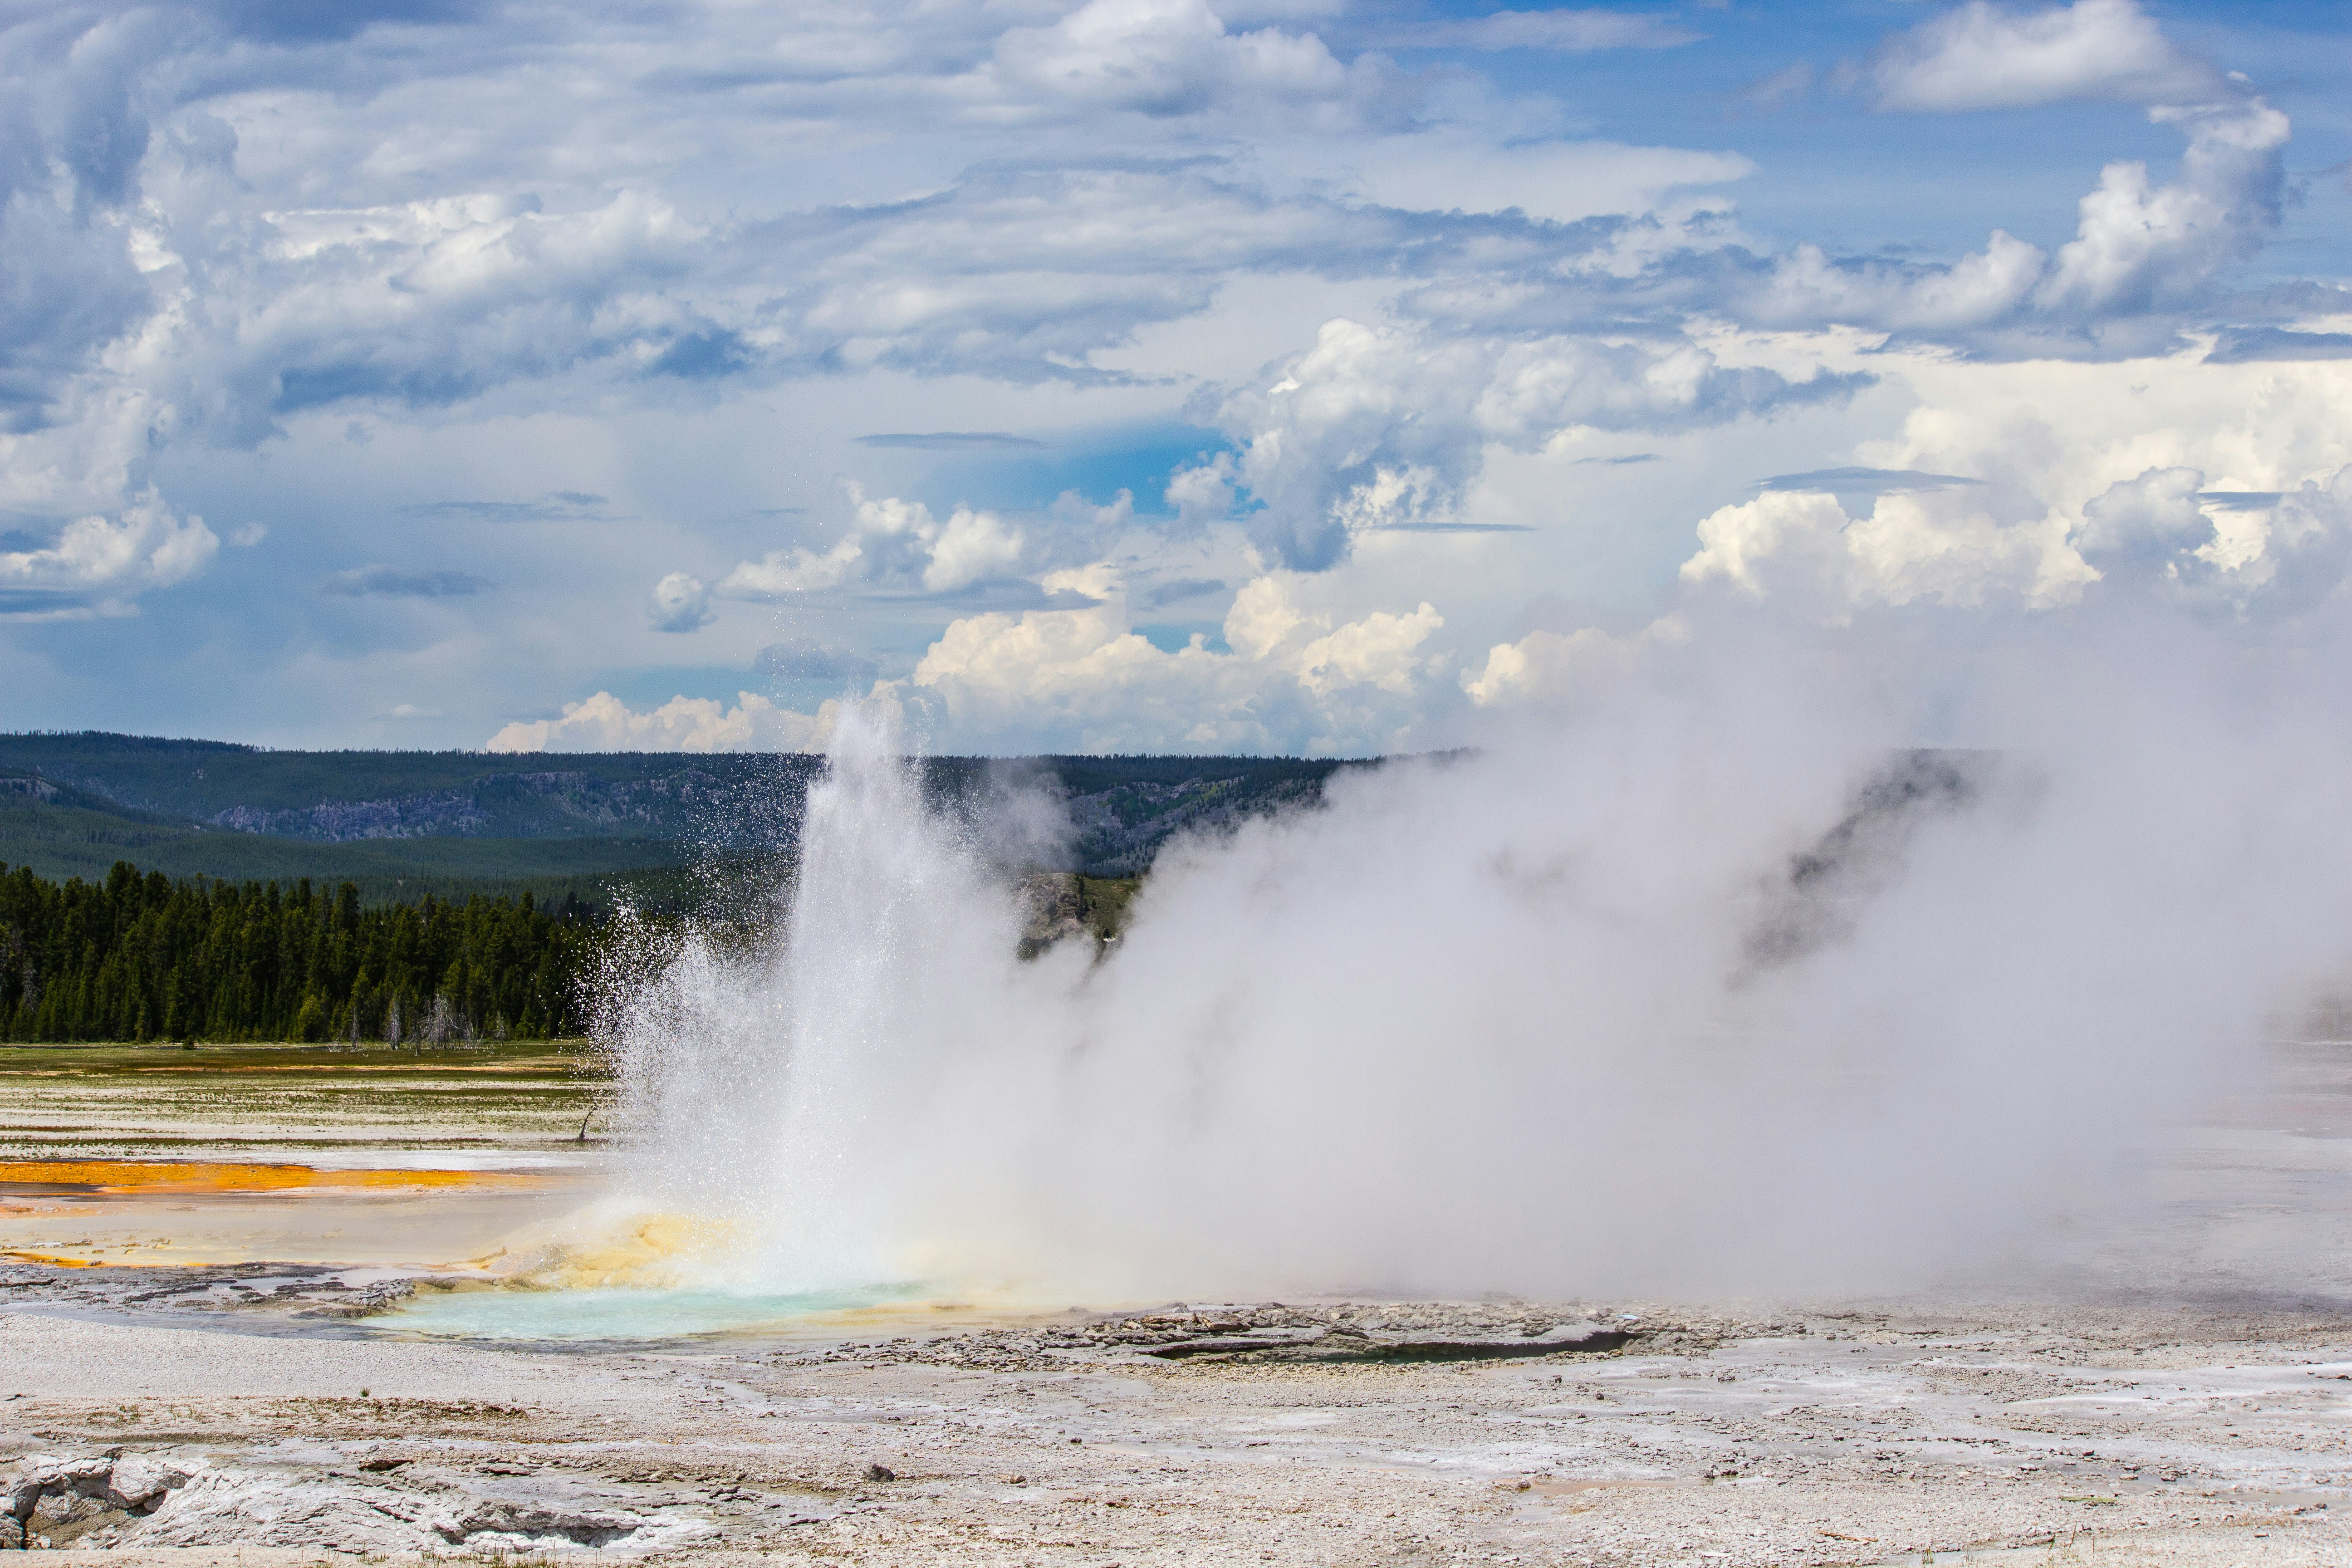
892 329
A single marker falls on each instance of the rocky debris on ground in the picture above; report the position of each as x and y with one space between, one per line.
1841 1434
86 1500
1052 910
119 1500
270 1289
1397 1333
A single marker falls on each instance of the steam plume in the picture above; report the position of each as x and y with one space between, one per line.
1707 978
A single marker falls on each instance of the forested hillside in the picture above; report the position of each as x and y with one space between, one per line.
139 957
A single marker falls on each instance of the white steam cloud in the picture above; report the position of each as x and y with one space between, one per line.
1700 980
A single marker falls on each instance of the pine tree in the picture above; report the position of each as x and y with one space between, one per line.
143 957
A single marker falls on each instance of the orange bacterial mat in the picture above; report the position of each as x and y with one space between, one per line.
206 1176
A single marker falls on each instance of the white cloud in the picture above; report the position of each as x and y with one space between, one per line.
1379 650
2145 527
1165 58
1982 56
1547 667
1808 287
2139 248
2222 490
782 233
98 565
2158 533
1082 679
237 309
892 544
435 301
1379 426
1800 550
681 602
970 547
1262 617
605 724
2306 549
1201 493
1454 170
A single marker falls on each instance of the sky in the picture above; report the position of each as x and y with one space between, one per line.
1303 376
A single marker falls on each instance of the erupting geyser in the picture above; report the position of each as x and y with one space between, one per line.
1692 993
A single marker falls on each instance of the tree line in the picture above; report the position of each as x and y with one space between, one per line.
139 957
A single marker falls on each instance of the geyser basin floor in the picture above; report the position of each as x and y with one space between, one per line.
2203 1434
1861 1435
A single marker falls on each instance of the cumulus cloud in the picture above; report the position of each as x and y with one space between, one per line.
1548 667
2143 248
2274 556
2280 554
2138 249
98 565
1165 58
893 545
1804 553
1085 680
434 301
1386 426
605 724
2147 527
1983 55
681 602
78 126
1297 679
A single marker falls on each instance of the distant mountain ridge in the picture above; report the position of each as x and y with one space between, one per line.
340 796
68 801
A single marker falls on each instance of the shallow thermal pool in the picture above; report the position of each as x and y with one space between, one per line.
621 1313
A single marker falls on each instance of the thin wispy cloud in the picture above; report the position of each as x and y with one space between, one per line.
554 507
952 441
1567 30
391 581
2255 346
1870 481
